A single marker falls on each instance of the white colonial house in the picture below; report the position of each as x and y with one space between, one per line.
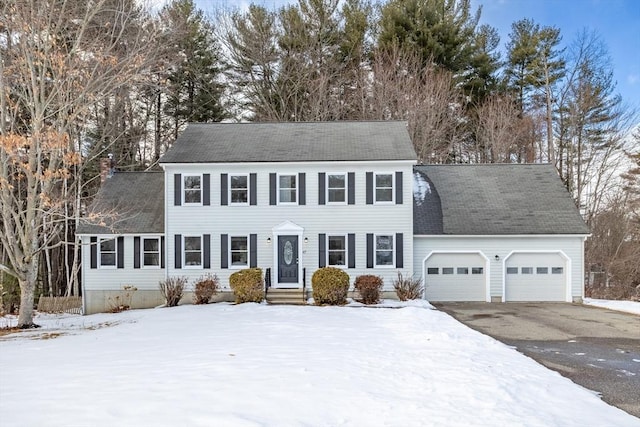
293 197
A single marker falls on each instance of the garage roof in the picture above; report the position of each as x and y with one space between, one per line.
493 199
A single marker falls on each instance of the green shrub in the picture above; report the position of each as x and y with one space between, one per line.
408 288
206 287
172 289
330 286
247 285
369 287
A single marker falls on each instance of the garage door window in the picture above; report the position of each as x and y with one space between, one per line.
432 270
512 270
463 270
447 270
542 270
557 270
476 270
526 270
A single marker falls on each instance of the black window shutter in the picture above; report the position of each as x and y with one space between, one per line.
177 189
322 250
398 188
94 252
369 188
136 252
206 251
369 250
351 246
224 249
321 188
224 193
121 252
253 192
178 250
253 250
206 189
399 251
351 188
272 189
162 252
302 188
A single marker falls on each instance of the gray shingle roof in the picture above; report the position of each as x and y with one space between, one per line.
128 202
493 200
291 142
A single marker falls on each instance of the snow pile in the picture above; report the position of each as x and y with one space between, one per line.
626 306
260 365
420 188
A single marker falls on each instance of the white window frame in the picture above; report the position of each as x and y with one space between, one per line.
295 176
230 252
329 188
143 252
184 252
231 202
375 189
115 253
393 251
184 189
346 251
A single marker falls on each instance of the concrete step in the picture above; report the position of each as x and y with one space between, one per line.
286 296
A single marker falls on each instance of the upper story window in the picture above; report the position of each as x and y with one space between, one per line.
384 250
384 188
108 253
337 251
151 252
336 188
287 189
239 189
192 188
239 251
192 253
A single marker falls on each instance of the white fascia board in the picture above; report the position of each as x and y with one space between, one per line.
501 236
119 234
376 163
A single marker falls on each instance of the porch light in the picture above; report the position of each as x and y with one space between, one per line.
497 257
306 240
269 240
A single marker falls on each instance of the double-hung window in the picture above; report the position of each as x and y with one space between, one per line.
151 252
384 250
192 251
239 251
108 253
287 189
336 188
192 188
337 250
239 189
383 187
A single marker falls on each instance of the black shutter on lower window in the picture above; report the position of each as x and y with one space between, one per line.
162 252
370 250
93 247
321 188
177 189
177 251
398 188
253 250
351 246
272 189
302 189
322 250
369 188
206 189
224 251
206 251
120 252
351 188
136 252
224 193
399 251
253 192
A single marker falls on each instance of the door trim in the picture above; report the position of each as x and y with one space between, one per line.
292 229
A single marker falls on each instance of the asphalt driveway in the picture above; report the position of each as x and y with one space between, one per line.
594 347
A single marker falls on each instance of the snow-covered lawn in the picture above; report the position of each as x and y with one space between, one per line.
626 306
259 365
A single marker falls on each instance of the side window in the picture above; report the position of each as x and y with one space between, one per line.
192 189
462 270
557 270
287 189
383 187
337 251
192 252
447 270
336 188
542 270
384 250
477 270
433 270
512 270
526 270
151 252
108 253
239 251
239 189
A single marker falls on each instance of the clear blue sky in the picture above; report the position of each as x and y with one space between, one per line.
616 21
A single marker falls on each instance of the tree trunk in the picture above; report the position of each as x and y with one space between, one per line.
27 293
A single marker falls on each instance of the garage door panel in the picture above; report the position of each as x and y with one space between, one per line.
536 277
452 277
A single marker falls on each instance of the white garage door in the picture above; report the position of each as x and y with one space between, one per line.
536 277
455 277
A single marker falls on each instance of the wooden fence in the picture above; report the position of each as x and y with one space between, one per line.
60 305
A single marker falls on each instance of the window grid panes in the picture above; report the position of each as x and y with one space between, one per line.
239 187
239 248
151 252
108 253
384 187
384 250
192 189
193 251
336 185
337 250
288 188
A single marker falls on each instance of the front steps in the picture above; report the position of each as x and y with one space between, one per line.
286 296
